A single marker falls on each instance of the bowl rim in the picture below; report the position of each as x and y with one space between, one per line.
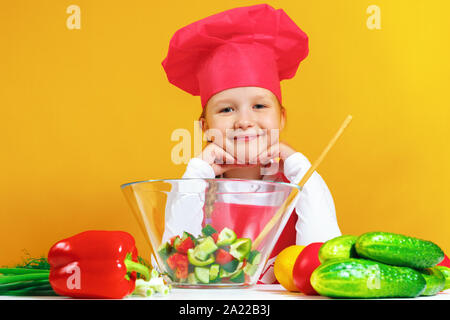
293 185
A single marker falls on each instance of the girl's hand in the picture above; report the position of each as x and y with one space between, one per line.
220 160
278 150
286 151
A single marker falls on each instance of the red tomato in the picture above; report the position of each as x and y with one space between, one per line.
223 257
185 245
445 262
171 240
182 272
306 262
176 260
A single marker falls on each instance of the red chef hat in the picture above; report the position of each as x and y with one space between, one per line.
254 46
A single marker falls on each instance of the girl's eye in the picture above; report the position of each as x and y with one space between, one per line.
226 110
259 106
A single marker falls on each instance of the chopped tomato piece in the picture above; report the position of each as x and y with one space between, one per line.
185 245
182 272
223 257
172 240
176 260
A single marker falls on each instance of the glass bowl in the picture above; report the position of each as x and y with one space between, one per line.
203 231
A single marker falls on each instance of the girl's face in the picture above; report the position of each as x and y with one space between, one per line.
244 121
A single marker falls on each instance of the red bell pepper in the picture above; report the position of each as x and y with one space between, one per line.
95 264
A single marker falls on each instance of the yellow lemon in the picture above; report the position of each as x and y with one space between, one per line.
284 264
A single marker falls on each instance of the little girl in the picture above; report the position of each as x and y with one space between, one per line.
234 61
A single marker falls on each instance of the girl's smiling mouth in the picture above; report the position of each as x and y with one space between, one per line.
246 138
239 136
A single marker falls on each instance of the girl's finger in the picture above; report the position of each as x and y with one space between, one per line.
270 153
229 159
220 169
223 157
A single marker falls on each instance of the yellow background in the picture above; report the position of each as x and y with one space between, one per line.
83 111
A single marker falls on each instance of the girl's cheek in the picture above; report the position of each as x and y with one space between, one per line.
273 136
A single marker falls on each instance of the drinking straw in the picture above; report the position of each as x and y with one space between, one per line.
272 222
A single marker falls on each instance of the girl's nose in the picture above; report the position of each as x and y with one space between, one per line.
243 120
243 124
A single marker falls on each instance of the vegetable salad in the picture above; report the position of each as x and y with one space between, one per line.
210 258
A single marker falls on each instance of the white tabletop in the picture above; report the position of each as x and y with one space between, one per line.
257 292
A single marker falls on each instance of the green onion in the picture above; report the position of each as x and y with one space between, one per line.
23 277
24 292
22 284
34 263
154 274
22 271
34 287
28 279
41 288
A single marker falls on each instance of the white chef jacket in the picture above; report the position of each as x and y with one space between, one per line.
314 204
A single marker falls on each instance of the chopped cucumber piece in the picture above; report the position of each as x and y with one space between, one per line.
202 274
254 257
214 272
239 268
199 263
164 250
217 280
226 237
231 266
225 273
250 269
176 242
188 235
238 277
241 248
208 230
192 279
203 249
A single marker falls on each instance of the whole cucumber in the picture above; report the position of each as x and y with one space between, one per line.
361 278
446 272
435 281
338 248
399 250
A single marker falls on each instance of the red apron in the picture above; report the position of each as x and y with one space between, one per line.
249 220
